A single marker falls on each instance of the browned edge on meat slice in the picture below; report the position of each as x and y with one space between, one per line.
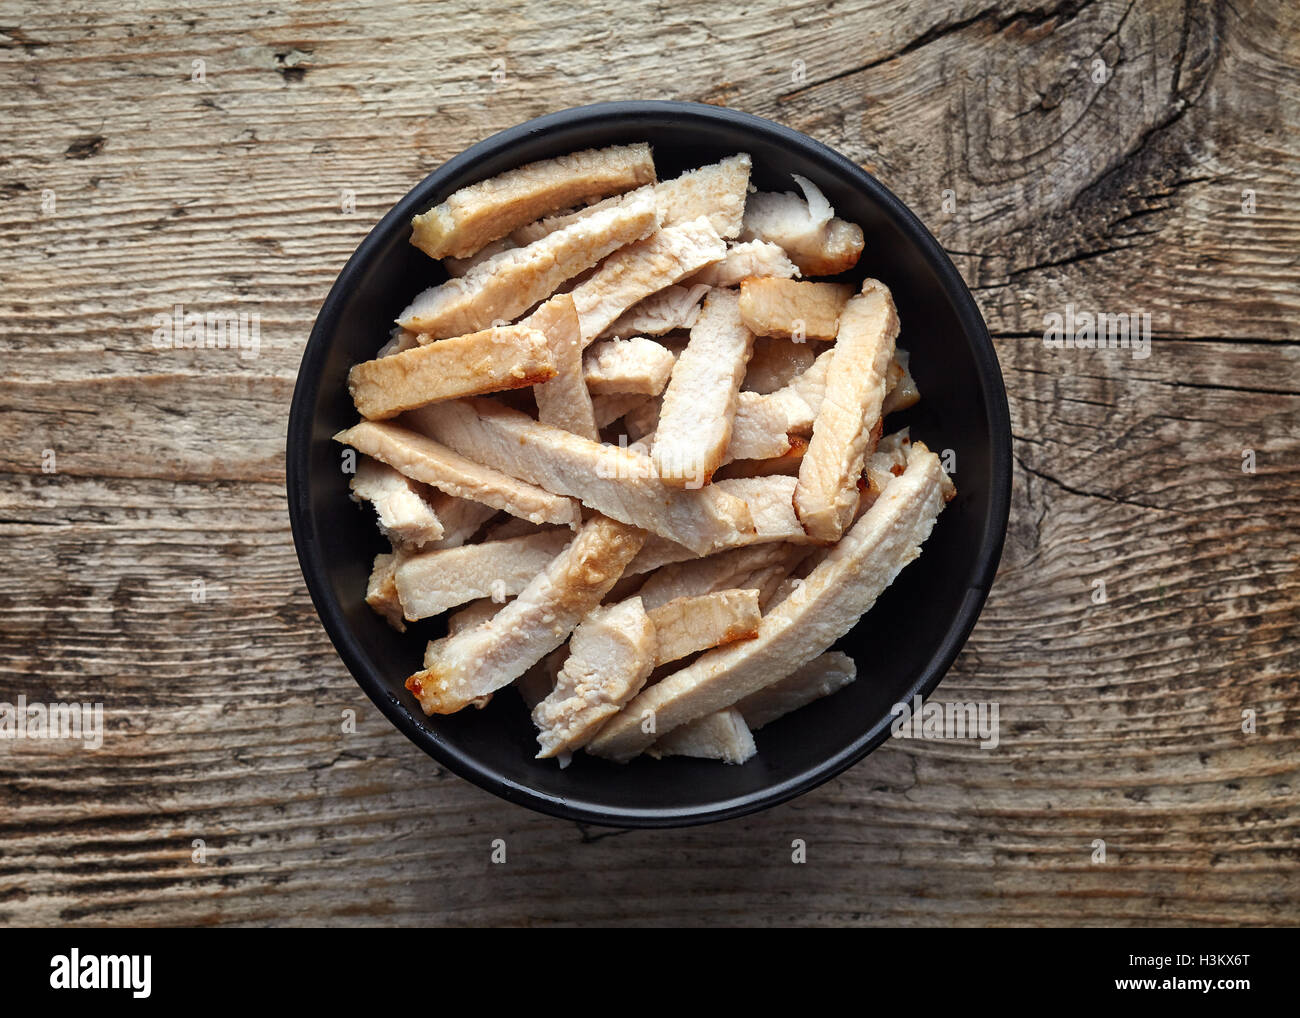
481 213
508 357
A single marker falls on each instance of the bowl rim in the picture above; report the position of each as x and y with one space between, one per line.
330 611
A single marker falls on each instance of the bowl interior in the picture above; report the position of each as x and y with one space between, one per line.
902 646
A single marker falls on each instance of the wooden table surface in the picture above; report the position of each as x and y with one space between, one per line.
1122 157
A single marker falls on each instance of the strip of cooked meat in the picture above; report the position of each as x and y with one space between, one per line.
616 482
839 590
722 735
475 662
744 260
635 365
564 401
786 463
793 308
611 654
381 591
430 582
805 228
426 460
640 269
511 357
673 307
717 191
823 675
849 413
478 214
734 568
506 285
695 420
686 625
775 363
473 614
461 518
404 516
770 502
609 409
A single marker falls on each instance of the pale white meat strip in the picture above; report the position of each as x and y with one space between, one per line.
903 391
609 409
776 583
770 502
636 365
751 258
478 214
688 624
695 420
822 676
793 308
564 401
674 307
762 424
640 269
734 568
462 518
611 655
787 463
506 358
530 232
422 458
473 614
616 482
722 735
460 266
806 230
827 492
717 191
775 363
404 516
763 418
431 582
381 591
504 286
472 664
842 587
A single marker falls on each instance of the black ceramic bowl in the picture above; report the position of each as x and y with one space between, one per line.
903 646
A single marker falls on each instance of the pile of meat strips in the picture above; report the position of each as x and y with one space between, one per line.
679 496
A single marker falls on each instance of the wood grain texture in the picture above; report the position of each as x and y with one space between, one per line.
1114 191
